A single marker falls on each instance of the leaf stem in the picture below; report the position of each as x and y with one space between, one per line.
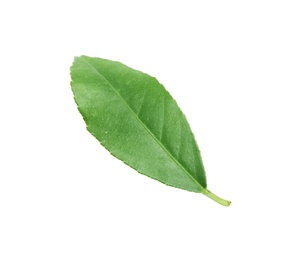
216 198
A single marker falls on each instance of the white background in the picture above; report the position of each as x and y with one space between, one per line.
235 69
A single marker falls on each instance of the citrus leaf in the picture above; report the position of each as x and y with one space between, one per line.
133 116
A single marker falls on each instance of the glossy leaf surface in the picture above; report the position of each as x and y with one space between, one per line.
137 121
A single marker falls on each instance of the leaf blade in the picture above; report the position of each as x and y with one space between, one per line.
137 121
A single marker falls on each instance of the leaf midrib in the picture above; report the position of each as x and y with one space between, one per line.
144 126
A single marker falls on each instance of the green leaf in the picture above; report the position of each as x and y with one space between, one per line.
138 122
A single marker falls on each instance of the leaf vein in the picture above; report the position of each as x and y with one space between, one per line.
163 119
203 190
143 100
